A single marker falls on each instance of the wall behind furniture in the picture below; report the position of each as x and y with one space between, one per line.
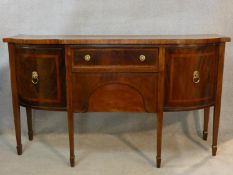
111 17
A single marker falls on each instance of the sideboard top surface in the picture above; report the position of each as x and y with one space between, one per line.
116 39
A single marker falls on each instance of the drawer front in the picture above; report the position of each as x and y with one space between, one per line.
40 74
116 58
115 92
190 76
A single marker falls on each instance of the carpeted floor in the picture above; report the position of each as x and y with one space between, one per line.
113 146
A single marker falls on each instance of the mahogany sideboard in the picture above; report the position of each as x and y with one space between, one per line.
147 73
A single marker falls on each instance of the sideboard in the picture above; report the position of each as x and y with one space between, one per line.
147 73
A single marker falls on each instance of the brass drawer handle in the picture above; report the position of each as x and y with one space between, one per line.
35 77
87 57
196 77
142 58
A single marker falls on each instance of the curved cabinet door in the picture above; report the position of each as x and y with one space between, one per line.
190 77
40 73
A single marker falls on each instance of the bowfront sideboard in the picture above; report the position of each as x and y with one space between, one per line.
116 74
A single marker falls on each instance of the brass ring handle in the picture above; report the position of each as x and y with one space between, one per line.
87 57
142 58
196 77
35 77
